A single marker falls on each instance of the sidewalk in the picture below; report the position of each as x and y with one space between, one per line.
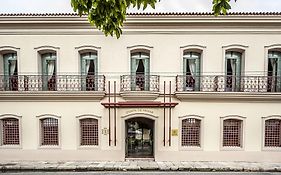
136 166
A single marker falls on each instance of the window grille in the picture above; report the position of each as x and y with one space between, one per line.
191 132
232 133
272 133
49 131
10 131
89 131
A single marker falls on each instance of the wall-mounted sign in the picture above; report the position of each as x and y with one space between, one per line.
104 131
140 110
174 132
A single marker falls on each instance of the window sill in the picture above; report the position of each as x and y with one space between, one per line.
49 147
10 147
271 149
232 148
191 148
89 147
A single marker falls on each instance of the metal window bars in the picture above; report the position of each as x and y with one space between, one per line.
89 132
190 135
272 133
10 131
232 133
49 132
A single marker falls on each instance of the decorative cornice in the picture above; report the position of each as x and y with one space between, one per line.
273 46
2 48
235 46
193 46
139 46
46 47
87 47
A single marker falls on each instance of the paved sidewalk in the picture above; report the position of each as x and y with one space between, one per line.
137 166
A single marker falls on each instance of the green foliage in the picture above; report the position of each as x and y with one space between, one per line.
109 15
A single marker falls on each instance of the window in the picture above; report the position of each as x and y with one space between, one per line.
274 71
10 71
89 132
191 62
49 131
272 133
49 71
9 131
191 132
140 71
233 70
232 133
89 71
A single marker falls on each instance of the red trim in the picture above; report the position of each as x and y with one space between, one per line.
139 104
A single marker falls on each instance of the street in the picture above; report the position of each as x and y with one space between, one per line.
141 173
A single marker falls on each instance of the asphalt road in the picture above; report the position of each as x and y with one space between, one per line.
138 173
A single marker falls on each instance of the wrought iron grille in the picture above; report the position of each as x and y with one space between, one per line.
190 135
49 131
272 133
52 83
221 83
89 131
139 83
10 131
232 133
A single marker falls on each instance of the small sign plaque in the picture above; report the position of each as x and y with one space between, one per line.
104 131
174 132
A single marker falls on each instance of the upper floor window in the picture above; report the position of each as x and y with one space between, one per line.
10 71
9 131
49 131
232 133
191 62
89 70
272 133
89 132
49 68
140 64
191 132
274 71
233 70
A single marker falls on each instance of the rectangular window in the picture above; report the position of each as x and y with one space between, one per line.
272 133
10 131
89 132
191 132
232 133
49 131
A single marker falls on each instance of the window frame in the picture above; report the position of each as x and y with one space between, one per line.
202 125
264 119
44 116
5 116
243 123
78 129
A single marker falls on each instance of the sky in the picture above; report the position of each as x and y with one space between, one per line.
63 6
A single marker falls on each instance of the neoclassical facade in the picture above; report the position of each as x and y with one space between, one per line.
175 86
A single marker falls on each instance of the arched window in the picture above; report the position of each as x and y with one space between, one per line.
232 133
191 62
274 71
140 63
272 133
89 70
49 132
9 68
9 131
89 135
49 69
191 132
233 70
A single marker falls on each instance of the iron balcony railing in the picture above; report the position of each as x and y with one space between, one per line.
52 83
139 83
220 83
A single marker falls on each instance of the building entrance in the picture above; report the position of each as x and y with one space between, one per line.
139 138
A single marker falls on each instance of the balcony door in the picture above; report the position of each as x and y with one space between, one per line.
191 69
140 71
49 71
233 71
274 71
10 71
89 71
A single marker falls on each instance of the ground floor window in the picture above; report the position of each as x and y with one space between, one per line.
272 133
49 131
89 132
10 131
232 133
190 135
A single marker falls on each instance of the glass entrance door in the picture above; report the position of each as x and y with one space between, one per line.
139 138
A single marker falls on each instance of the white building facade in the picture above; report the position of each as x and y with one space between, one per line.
177 86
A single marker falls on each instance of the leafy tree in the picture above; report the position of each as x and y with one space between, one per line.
109 15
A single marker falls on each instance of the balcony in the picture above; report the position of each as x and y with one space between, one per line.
228 86
92 86
139 87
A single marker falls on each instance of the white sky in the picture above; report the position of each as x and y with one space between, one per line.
62 6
